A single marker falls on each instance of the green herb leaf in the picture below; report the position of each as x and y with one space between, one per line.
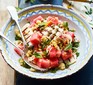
54 70
43 46
68 63
37 55
77 54
87 13
45 53
41 25
90 10
65 24
18 38
74 49
69 46
22 63
91 1
72 30
45 43
86 7
76 44
18 9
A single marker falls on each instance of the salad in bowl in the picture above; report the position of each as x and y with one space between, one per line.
51 43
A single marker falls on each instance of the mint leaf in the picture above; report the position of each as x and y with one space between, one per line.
77 54
45 43
18 9
76 44
53 70
45 53
65 24
18 38
69 46
37 55
72 30
22 63
74 49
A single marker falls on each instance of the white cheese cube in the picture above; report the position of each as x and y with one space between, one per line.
58 34
49 29
30 44
45 33
56 27
60 30
53 31
45 20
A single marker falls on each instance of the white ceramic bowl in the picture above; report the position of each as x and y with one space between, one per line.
83 32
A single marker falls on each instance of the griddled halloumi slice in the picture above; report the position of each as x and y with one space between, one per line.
29 34
51 31
27 31
28 39
25 26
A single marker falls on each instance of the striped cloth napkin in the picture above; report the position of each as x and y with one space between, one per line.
85 10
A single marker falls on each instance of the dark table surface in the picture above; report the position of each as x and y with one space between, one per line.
82 77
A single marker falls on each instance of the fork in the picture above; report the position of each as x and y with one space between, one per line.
14 16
